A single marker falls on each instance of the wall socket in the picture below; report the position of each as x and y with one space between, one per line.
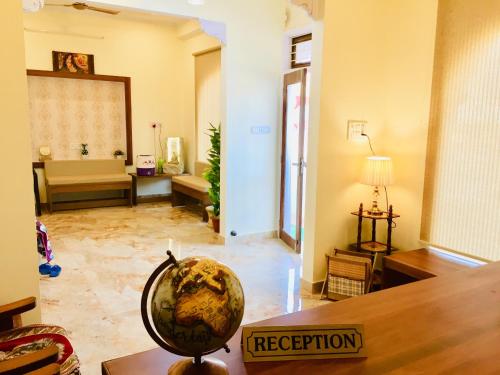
355 129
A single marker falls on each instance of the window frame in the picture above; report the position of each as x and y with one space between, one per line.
294 41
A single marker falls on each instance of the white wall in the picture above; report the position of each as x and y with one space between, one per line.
19 277
377 66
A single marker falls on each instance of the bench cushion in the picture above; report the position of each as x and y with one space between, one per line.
193 182
88 179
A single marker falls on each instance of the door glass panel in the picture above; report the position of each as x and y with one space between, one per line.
292 159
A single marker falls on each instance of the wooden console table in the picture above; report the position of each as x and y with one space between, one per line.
443 325
408 266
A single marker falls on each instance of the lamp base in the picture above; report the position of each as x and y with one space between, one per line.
207 366
375 212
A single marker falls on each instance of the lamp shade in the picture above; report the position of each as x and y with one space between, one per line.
377 171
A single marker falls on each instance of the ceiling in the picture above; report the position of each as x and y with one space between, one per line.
125 14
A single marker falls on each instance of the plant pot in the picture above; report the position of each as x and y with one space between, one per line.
119 157
210 212
84 157
216 224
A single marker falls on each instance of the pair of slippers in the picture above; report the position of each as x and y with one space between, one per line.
48 269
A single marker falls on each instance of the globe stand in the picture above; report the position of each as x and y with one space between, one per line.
198 366
190 366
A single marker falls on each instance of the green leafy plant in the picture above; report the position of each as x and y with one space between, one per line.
84 150
118 153
212 174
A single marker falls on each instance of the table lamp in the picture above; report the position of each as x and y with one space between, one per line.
377 172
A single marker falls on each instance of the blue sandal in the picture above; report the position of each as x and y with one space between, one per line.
55 271
44 269
48 269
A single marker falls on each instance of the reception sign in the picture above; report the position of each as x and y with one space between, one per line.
303 342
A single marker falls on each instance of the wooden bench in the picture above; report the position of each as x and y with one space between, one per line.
71 176
192 186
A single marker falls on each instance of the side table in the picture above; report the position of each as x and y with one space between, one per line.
155 198
374 246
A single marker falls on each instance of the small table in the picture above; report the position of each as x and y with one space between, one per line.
154 198
374 246
408 266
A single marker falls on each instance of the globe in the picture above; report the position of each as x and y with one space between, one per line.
196 305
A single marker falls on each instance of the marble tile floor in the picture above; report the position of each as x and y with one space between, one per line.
107 254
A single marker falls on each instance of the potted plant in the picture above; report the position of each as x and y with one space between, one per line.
119 154
84 152
159 159
212 174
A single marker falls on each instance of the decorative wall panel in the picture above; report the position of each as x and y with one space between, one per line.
67 112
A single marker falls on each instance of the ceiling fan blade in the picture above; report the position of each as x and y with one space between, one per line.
103 10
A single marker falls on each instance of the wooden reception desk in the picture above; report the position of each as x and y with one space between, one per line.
446 324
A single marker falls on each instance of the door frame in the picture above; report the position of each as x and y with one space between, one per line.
296 76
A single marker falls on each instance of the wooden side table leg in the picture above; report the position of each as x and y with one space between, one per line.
389 230
360 222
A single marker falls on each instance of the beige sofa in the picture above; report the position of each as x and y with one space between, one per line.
70 176
192 186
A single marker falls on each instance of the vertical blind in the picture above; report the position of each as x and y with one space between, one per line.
462 186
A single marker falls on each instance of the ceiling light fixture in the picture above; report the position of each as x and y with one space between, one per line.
196 2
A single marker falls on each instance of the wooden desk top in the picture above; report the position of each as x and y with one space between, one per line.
448 325
424 263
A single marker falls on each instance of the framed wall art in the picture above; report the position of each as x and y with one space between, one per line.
72 62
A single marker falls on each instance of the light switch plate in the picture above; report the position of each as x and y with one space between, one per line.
355 129
259 130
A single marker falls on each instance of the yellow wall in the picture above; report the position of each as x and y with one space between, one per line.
19 277
150 53
377 66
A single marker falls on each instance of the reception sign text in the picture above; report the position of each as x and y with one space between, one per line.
303 342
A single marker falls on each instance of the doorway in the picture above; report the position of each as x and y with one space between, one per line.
293 157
